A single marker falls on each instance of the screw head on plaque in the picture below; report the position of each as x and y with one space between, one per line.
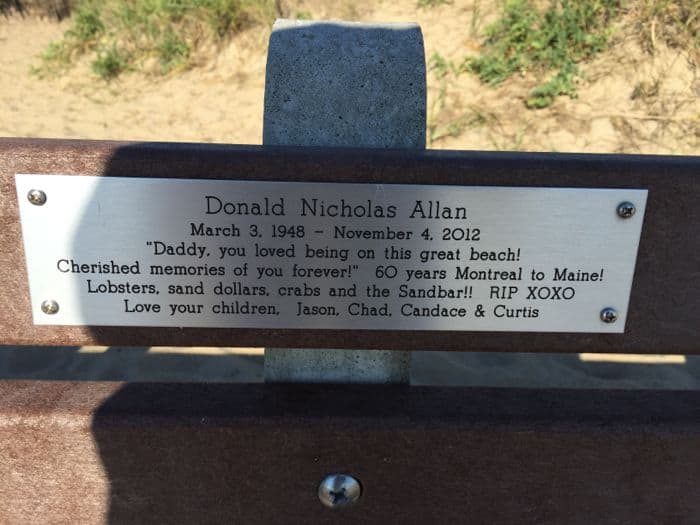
626 210
49 307
608 315
36 197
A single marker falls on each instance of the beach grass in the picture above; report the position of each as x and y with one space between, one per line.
154 36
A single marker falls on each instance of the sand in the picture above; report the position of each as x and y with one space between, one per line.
221 100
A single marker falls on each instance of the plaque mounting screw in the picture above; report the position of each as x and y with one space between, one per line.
626 210
49 307
36 197
608 315
339 490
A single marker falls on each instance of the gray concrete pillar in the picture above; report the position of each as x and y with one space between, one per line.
340 84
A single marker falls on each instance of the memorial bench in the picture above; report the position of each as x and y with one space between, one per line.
207 453
79 211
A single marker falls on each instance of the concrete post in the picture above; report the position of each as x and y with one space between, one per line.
340 84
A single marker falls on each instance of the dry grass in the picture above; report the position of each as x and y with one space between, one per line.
58 9
158 36
675 24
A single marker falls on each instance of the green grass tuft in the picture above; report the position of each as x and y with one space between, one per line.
432 3
172 50
110 64
560 84
125 35
87 24
528 40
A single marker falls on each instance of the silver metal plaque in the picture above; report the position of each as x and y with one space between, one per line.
210 253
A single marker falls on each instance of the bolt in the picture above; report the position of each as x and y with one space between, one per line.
608 315
36 197
339 490
49 307
626 210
